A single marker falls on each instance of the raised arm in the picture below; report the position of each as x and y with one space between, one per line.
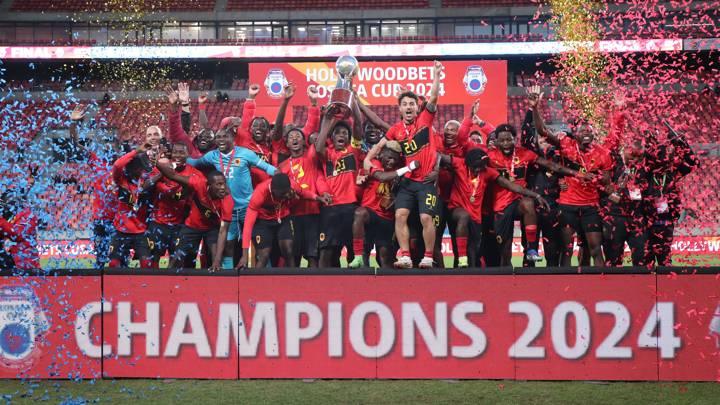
515 188
313 114
328 123
177 133
534 99
438 69
167 170
202 105
357 131
288 93
373 152
372 117
184 96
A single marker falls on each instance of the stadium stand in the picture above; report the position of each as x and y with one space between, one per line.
114 6
269 5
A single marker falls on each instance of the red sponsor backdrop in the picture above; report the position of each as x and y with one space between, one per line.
376 82
528 327
44 322
183 316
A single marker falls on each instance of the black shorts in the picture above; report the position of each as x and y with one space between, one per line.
336 225
504 222
162 237
416 195
581 218
267 232
379 231
121 244
188 242
306 231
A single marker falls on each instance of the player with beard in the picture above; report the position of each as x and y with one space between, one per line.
414 133
373 224
203 141
578 204
234 162
472 176
132 209
342 162
268 220
170 202
302 168
512 162
211 210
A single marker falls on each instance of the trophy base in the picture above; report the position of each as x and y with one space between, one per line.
342 99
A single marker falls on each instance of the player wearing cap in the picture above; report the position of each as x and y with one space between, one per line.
414 133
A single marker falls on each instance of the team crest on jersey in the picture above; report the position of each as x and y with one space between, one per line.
275 81
258 239
322 236
236 162
22 323
475 80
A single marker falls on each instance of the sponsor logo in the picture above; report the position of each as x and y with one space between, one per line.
22 322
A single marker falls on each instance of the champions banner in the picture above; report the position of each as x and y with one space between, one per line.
491 324
377 83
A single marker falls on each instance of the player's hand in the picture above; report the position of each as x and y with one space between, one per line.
431 177
325 198
400 89
534 96
253 91
78 113
289 91
563 185
587 176
203 97
614 197
361 178
437 68
560 135
475 107
312 93
171 95
477 121
144 147
242 264
184 93
216 266
542 203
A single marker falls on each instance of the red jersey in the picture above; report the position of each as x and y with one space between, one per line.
378 195
131 213
468 189
171 199
341 169
205 212
304 172
417 142
21 233
280 151
513 168
446 177
595 159
104 203
264 206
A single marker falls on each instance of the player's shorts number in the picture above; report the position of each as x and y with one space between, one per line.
431 200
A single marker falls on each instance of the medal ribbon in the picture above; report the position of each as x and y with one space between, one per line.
226 171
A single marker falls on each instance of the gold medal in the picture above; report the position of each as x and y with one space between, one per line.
472 198
511 178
